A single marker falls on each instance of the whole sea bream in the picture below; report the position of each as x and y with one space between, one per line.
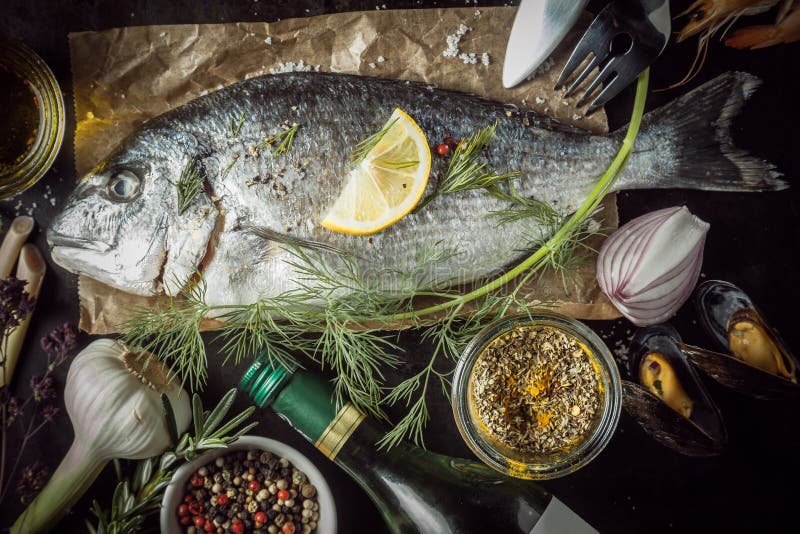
122 224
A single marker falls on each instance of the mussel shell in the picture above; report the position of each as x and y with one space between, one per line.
665 425
703 433
717 302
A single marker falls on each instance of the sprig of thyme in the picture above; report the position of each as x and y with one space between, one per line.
365 146
189 184
466 171
138 496
283 139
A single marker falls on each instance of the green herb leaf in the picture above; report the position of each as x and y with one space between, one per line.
220 411
282 139
365 146
169 419
235 127
197 415
189 184
466 172
234 159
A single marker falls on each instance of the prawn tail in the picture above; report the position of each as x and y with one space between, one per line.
753 37
687 143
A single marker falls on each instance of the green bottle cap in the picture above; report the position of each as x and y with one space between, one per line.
265 378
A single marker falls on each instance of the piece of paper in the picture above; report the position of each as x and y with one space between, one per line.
123 76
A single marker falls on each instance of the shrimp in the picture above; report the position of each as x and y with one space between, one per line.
785 30
707 17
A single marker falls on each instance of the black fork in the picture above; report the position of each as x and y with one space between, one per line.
623 40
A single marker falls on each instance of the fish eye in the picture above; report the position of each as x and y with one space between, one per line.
123 185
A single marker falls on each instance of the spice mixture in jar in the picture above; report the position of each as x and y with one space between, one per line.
249 491
536 388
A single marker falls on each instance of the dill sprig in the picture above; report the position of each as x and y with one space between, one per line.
521 208
283 139
365 146
335 317
466 171
189 184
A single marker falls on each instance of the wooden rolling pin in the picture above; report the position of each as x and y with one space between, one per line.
31 268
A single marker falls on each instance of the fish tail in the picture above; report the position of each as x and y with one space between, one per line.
687 143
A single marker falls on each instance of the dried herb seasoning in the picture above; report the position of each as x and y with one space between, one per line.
536 388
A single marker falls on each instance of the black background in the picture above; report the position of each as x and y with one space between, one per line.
635 485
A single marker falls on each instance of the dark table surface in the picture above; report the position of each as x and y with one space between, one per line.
635 485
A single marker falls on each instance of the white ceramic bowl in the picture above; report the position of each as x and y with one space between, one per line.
175 490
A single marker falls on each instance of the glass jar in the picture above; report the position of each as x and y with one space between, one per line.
529 465
19 60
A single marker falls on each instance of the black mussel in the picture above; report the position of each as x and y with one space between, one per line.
756 361
667 398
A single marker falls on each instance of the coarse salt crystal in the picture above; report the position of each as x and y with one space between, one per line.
468 58
454 39
539 100
291 66
380 59
371 65
485 59
268 40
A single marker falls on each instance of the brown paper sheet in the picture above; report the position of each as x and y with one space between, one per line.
122 77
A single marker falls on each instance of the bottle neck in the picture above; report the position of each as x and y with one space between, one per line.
305 401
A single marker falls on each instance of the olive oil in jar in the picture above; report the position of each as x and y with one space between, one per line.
19 118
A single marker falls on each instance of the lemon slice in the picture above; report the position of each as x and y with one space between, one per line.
387 183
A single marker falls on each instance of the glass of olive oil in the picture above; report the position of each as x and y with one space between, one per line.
31 117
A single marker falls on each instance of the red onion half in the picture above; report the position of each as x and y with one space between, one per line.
649 266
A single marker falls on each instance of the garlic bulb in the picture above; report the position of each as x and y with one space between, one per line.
113 398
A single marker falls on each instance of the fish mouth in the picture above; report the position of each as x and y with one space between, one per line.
59 240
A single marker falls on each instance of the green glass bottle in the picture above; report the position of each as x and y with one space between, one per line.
416 491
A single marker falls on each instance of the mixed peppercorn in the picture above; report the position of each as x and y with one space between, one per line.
446 147
249 491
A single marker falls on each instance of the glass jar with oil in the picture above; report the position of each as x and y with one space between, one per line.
31 118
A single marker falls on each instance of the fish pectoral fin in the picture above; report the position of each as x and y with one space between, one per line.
269 234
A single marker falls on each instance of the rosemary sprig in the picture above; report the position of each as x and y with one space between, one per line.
138 496
365 146
235 127
234 160
283 139
189 184
466 172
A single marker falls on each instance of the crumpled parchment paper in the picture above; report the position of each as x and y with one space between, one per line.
123 76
